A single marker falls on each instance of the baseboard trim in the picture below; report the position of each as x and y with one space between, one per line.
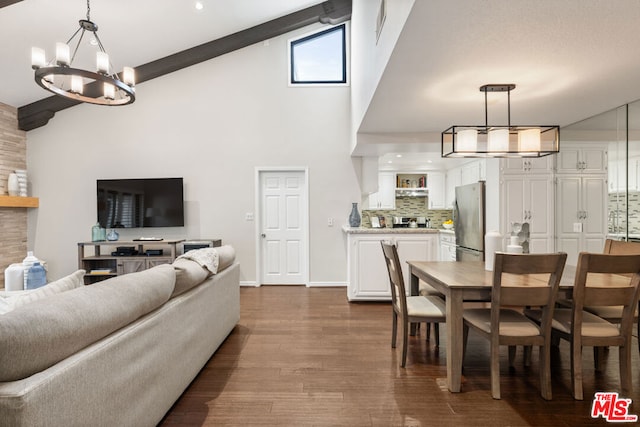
327 285
254 284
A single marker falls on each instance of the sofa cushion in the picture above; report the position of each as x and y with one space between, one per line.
226 256
188 274
37 335
18 299
195 266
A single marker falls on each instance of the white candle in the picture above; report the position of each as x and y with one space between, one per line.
128 76
37 58
109 91
63 54
102 62
76 84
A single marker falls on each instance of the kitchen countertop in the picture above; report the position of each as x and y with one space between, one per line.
366 230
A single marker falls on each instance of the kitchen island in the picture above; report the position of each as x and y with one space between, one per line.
368 276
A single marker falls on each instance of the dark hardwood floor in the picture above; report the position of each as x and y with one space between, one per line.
307 357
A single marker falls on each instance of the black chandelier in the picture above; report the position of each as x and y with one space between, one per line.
101 87
500 141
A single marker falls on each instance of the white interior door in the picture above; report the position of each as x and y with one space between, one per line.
283 227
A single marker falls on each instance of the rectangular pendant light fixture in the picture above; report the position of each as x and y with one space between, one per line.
500 141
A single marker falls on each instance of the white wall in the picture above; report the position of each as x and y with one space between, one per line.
212 124
370 56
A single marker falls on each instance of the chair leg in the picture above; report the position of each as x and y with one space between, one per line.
527 355
428 328
405 338
394 329
495 370
598 356
624 354
436 331
512 355
576 370
545 371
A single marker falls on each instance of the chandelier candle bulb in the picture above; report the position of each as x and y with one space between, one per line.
102 62
38 58
63 54
128 76
109 91
76 84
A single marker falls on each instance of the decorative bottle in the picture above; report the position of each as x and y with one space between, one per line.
27 262
97 233
37 276
113 235
354 217
13 186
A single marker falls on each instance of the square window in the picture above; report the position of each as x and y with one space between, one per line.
319 58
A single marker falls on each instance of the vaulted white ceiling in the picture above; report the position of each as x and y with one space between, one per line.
570 59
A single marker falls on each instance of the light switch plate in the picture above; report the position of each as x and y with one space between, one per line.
577 227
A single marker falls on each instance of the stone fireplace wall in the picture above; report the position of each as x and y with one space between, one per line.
13 221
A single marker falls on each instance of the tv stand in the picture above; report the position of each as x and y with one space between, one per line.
102 264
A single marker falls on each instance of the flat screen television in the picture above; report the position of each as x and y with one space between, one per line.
140 202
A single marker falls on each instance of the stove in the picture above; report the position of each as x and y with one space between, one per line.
411 222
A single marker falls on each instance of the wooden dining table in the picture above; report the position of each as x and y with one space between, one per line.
459 282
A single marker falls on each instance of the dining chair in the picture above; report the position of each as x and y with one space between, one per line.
614 313
409 309
593 286
504 324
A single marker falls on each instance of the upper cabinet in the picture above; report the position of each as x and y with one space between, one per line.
519 166
582 158
473 172
436 186
385 197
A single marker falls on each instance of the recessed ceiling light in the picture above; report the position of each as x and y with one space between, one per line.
398 155
199 5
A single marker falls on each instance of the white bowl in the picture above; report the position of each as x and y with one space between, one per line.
447 226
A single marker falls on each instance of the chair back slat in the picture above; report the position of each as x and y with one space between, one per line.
588 292
524 294
396 280
618 247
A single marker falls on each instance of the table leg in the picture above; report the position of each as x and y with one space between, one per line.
454 340
414 290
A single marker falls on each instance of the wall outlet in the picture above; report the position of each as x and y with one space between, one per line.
330 222
577 227
248 216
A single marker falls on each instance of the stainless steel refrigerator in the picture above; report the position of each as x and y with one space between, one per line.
469 222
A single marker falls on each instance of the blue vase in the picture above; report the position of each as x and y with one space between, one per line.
36 276
354 217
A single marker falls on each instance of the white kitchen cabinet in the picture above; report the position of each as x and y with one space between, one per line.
529 199
581 214
453 180
368 276
473 172
582 158
436 187
385 197
532 165
619 180
447 246
415 247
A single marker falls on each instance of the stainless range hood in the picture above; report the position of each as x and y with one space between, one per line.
412 192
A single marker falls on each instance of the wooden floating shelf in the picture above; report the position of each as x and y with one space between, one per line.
18 202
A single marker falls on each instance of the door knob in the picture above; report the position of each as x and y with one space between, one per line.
263 235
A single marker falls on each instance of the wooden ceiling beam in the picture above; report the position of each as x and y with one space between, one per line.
38 113
5 3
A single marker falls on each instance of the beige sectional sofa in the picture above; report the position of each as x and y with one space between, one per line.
116 353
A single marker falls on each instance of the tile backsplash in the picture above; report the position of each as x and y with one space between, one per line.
410 207
617 220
